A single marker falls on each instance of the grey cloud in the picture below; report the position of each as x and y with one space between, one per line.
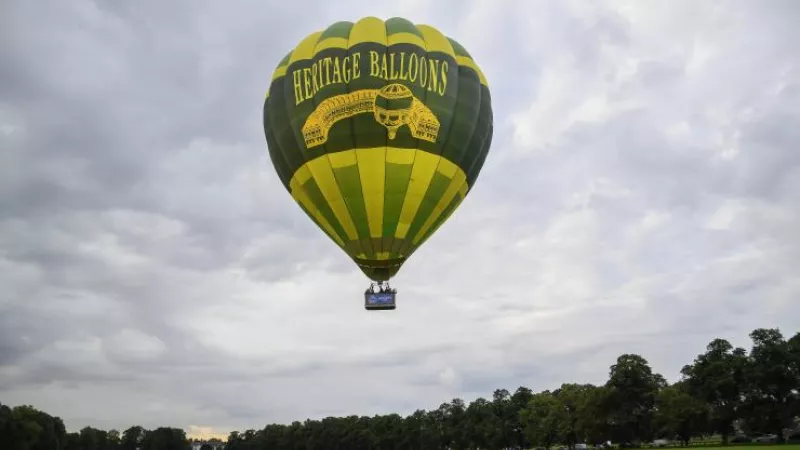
639 197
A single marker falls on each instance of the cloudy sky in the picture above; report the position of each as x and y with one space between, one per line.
641 195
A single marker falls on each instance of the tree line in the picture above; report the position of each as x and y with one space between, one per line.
730 392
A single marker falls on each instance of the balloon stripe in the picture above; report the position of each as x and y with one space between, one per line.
436 190
322 173
445 108
383 245
316 216
472 157
305 49
463 118
276 154
451 207
372 171
278 73
368 29
344 167
398 172
350 186
441 207
399 25
435 41
421 176
308 188
423 163
371 34
479 146
339 30
475 170
286 149
466 114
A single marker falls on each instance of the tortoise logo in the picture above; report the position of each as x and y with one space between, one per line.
393 106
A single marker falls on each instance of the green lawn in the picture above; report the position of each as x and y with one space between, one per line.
753 447
743 446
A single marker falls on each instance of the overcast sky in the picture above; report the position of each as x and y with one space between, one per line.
641 195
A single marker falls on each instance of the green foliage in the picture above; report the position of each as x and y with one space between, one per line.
717 377
680 415
546 420
165 438
725 391
772 380
26 428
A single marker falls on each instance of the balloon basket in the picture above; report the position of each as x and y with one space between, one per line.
380 297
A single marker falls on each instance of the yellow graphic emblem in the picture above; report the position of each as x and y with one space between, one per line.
392 106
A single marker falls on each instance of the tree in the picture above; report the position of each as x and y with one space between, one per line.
73 442
633 389
794 365
772 383
519 401
594 416
436 420
26 428
421 431
113 440
453 424
132 438
483 427
506 414
678 414
166 438
17 432
545 420
89 438
716 377
51 432
573 398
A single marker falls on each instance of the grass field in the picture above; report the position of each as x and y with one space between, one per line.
751 447
710 446
742 446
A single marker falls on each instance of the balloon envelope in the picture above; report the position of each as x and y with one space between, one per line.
378 129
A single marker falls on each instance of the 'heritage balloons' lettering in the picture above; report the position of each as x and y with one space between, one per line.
426 72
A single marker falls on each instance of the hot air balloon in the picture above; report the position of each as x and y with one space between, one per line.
378 130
